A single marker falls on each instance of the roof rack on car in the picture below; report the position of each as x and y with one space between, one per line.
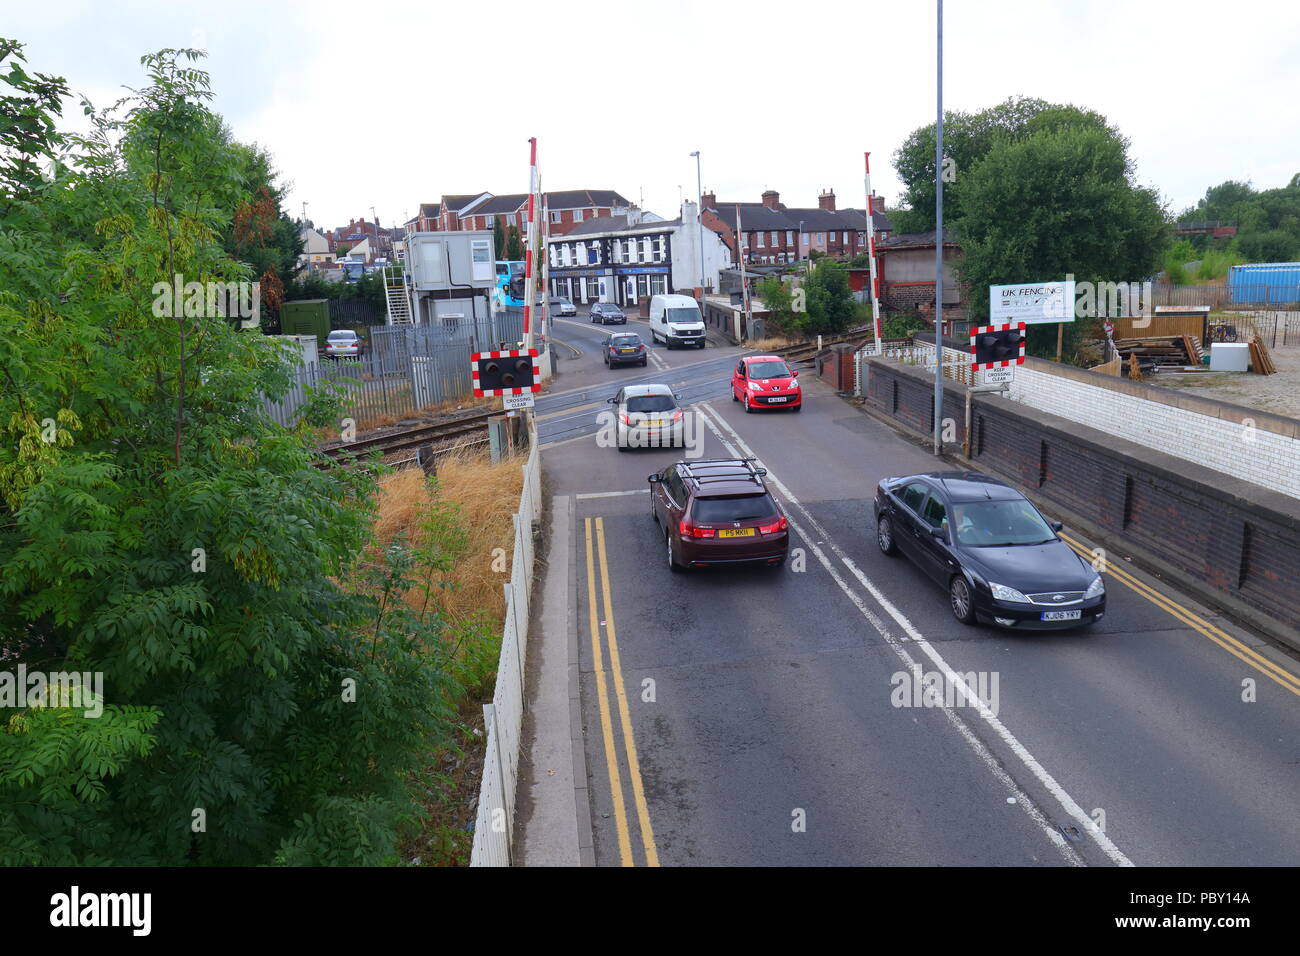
741 467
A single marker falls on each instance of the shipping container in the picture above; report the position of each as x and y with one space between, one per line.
1264 283
306 317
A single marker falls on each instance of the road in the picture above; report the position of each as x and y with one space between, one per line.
748 716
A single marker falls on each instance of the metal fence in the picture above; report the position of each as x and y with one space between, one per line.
1273 327
956 363
503 719
1222 296
355 313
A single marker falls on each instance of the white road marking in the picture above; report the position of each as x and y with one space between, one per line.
1066 802
612 494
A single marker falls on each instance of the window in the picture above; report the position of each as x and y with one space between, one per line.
645 249
577 217
821 238
789 237
580 254
490 221
659 249
776 240
733 508
658 285
555 216
914 496
832 237
762 236
935 514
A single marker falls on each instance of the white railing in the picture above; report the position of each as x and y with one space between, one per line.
956 363
503 718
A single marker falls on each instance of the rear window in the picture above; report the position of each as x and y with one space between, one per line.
651 403
734 508
343 335
623 341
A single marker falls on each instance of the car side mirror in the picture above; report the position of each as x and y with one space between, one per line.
653 479
612 401
1055 525
940 533
794 373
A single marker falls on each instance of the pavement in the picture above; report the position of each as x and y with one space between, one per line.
760 717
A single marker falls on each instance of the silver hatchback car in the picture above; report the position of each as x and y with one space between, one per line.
648 416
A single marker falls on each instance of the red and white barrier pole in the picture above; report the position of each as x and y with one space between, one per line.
531 294
871 249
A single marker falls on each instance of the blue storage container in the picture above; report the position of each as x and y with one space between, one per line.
1264 283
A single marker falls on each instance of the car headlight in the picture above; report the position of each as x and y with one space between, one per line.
1096 589
1003 593
755 386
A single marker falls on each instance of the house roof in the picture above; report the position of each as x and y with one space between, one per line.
759 218
459 202
607 225
584 198
498 205
429 210
916 240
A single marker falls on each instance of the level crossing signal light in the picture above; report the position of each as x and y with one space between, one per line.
508 372
997 346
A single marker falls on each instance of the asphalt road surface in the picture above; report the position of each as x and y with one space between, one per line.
758 716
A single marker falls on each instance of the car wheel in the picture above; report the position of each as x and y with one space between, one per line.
959 597
885 535
701 345
654 512
672 561
643 362
734 396
748 407
799 407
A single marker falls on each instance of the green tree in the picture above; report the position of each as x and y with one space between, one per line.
967 139
831 307
1275 245
775 295
157 528
514 245
498 238
1061 201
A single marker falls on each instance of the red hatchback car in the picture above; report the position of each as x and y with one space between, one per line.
765 381
718 512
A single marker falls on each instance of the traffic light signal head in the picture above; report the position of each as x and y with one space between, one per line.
504 373
997 345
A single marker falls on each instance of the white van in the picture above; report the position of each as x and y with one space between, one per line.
676 320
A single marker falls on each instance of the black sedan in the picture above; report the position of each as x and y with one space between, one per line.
625 348
607 313
999 559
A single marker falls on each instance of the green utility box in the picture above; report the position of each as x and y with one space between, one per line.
306 317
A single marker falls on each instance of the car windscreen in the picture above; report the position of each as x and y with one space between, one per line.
768 370
650 403
993 524
733 508
686 315
611 309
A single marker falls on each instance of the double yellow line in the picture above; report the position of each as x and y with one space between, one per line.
625 716
1193 620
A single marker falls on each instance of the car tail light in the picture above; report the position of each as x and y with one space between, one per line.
624 418
689 530
779 525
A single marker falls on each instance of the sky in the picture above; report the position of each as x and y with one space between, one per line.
395 104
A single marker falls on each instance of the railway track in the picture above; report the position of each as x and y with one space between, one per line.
408 441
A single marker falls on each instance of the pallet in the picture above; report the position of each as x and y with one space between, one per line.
1260 359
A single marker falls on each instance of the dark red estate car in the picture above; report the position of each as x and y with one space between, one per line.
718 512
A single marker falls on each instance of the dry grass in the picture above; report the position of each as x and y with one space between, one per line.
451 407
486 495
771 343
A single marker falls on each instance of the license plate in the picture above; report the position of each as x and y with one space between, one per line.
775 401
627 351
1061 615
736 533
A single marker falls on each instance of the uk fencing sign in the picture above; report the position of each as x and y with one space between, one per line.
1032 303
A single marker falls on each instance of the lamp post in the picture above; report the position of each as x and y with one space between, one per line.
938 244
699 214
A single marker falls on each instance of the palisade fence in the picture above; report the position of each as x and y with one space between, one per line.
403 368
956 363
494 826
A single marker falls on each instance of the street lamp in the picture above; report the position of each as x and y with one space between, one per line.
699 214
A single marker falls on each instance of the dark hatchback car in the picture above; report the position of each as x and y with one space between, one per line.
718 512
999 559
607 313
625 348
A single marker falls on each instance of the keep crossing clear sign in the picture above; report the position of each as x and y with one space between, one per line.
998 376
518 401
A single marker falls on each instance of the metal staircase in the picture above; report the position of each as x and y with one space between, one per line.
399 299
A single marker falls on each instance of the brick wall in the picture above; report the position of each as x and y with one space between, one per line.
1238 538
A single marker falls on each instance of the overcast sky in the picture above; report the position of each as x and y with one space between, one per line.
394 103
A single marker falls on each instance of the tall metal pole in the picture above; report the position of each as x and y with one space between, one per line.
699 214
744 283
938 248
871 251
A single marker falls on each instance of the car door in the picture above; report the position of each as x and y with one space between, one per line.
936 557
674 498
909 503
738 380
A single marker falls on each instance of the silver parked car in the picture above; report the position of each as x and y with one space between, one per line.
648 416
343 343
559 305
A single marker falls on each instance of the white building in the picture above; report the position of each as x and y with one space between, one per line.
627 258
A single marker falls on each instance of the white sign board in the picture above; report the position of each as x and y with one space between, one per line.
1032 302
996 376
518 401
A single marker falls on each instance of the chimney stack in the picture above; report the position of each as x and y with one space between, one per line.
708 200
826 200
772 199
